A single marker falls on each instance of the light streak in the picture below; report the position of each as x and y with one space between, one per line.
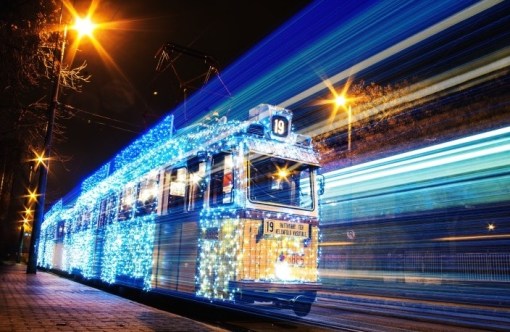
493 143
463 77
397 48
280 74
335 244
474 237
469 171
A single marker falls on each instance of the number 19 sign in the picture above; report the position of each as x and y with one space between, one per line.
280 126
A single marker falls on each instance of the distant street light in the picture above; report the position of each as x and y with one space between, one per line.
340 99
84 27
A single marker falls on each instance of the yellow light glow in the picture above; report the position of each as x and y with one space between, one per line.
340 100
40 159
474 237
84 26
283 173
28 211
32 195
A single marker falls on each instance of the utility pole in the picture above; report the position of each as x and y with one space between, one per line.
43 169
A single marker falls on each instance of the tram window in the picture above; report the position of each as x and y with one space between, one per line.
147 198
126 202
111 209
305 188
174 191
107 211
83 220
197 184
60 230
221 189
279 181
101 220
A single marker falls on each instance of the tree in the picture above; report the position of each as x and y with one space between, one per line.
389 119
30 46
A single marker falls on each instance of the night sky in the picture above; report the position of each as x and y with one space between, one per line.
126 94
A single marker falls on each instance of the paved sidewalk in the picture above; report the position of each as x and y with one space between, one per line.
46 302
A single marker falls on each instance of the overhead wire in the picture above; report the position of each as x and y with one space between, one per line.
108 118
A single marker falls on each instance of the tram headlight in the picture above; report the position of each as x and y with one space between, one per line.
282 270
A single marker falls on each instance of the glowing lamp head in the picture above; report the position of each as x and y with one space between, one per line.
32 195
340 100
282 271
84 26
28 211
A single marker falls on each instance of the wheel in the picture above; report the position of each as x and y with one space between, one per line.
302 306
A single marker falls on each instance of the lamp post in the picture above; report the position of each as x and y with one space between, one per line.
349 127
342 101
43 169
84 27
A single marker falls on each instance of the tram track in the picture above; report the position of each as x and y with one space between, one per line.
353 312
335 311
449 316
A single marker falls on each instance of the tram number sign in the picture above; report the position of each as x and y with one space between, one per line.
287 228
280 126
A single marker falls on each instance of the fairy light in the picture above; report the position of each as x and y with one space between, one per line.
227 245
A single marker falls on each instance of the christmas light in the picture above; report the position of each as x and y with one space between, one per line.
108 230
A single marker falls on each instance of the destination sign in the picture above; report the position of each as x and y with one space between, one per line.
287 228
280 126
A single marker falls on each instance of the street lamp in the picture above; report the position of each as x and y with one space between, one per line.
84 27
342 101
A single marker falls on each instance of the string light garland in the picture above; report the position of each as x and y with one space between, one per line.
107 233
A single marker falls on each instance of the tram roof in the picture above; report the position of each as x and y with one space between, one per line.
160 146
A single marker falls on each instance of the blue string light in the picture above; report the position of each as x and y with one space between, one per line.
115 247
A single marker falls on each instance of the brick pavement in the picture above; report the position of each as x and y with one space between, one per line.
47 302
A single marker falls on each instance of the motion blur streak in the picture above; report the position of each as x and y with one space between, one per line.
471 170
463 77
399 47
480 237
328 40
430 215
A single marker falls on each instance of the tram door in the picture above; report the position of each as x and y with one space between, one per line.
176 244
176 256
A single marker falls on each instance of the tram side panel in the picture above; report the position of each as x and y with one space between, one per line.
166 256
188 257
175 253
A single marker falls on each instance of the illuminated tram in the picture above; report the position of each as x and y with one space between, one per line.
224 211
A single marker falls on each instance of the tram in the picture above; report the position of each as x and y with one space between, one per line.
226 210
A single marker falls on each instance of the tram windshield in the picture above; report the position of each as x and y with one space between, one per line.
280 182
